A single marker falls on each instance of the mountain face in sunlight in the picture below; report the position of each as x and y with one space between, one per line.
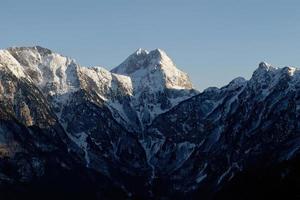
142 131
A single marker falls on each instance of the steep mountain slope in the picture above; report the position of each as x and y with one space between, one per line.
29 131
141 131
245 124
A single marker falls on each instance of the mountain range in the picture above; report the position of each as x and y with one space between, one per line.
142 131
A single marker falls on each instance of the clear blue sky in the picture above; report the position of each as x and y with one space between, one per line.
214 41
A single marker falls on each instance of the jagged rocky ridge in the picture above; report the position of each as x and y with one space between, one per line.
141 130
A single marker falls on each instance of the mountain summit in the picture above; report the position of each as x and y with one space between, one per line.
157 83
155 65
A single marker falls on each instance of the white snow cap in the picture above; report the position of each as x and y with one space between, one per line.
52 72
141 51
154 66
265 66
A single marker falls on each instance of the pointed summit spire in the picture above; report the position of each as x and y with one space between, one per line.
142 59
134 62
153 68
141 51
264 65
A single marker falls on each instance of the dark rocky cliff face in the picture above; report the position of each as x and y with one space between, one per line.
66 138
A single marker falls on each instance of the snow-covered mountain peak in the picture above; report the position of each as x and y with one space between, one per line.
134 62
267 78
153 68
141 51
52 72
264 69
264 65
157 83
142 59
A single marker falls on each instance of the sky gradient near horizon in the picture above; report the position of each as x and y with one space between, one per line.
213 41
